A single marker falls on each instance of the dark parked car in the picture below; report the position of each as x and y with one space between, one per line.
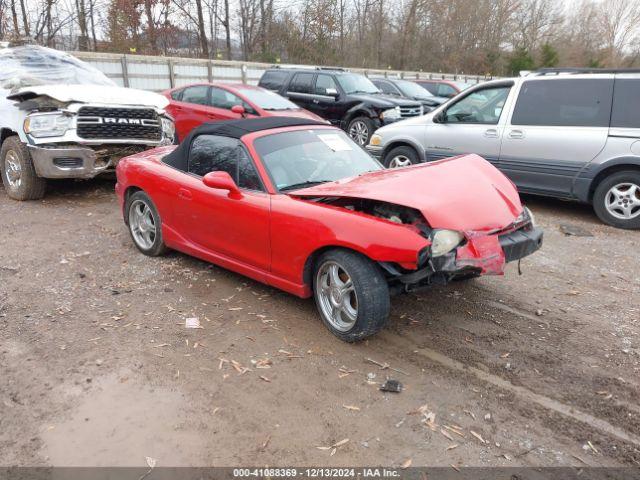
348 100
411 90
443 88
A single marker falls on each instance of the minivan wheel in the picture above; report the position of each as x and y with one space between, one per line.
18 173
351 294
616 199
402 156
360 130
145 225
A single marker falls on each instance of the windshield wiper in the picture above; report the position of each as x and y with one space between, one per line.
308 183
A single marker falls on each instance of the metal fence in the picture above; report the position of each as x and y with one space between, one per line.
161 73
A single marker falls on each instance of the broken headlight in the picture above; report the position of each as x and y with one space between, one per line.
47 124
443 241
168 128
525 217
391 114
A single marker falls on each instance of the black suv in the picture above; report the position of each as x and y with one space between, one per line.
411 90
346 99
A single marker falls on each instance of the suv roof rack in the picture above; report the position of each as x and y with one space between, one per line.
309 67
557 71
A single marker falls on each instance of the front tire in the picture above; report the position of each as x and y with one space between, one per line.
401 156
616 200
18 173
145 225
360 130
351 294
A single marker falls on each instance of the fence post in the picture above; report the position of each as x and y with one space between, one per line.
243 72
172 76
210 71
125 71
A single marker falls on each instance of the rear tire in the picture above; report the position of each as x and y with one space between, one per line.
18 173
616 199
402 156
360 130
145 225
351 294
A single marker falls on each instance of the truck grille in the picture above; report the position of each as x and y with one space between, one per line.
119 123
406 112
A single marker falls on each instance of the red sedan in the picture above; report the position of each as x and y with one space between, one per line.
296 204
193 105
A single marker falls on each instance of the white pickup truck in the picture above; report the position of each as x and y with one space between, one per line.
62 118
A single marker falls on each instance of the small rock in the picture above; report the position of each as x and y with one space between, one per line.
487 417
539 312
99 362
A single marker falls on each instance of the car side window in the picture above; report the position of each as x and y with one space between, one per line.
432 87
445 90
221 98
323 83
482 106
177 94
626 103
387 88
198 94
273 79
576 102
301 83
213 153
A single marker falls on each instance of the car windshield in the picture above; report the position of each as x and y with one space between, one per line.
303 158
31 65
354 83
267 100
411 89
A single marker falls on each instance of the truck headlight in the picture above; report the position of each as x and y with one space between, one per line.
443 241
391 114
47 124
376 140
168 128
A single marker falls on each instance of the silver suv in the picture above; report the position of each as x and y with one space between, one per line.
567 133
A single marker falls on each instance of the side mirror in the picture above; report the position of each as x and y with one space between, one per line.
222 181
440 117
239 109
331 92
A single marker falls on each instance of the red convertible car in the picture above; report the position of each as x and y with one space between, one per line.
193 105
296 204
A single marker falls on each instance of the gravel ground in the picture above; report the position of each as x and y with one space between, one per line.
541 369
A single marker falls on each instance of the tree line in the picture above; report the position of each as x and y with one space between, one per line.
498 37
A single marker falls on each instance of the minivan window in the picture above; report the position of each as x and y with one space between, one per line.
273 79
576 102
626 103
324 83
482 106
301 83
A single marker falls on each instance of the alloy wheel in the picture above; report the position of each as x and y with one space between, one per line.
622 201
142 224
13 169
359 132
337 296
399 161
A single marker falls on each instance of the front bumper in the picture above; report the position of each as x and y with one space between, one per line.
77 161
375 152
480 255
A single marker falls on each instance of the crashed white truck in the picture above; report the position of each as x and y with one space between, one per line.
62 118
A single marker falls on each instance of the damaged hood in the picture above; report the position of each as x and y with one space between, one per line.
464 193
93 94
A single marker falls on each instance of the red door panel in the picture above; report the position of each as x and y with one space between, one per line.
234 227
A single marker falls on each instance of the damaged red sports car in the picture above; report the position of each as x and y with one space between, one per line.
296 204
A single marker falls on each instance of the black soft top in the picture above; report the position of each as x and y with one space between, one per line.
179 158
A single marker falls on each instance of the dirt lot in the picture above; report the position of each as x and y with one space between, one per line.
97 367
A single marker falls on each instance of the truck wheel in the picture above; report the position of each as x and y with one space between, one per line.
616 200
402 156
18 173
145 225
360 130
351 294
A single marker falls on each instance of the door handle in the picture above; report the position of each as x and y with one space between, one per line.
516 134
184 194
491 133
316 101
